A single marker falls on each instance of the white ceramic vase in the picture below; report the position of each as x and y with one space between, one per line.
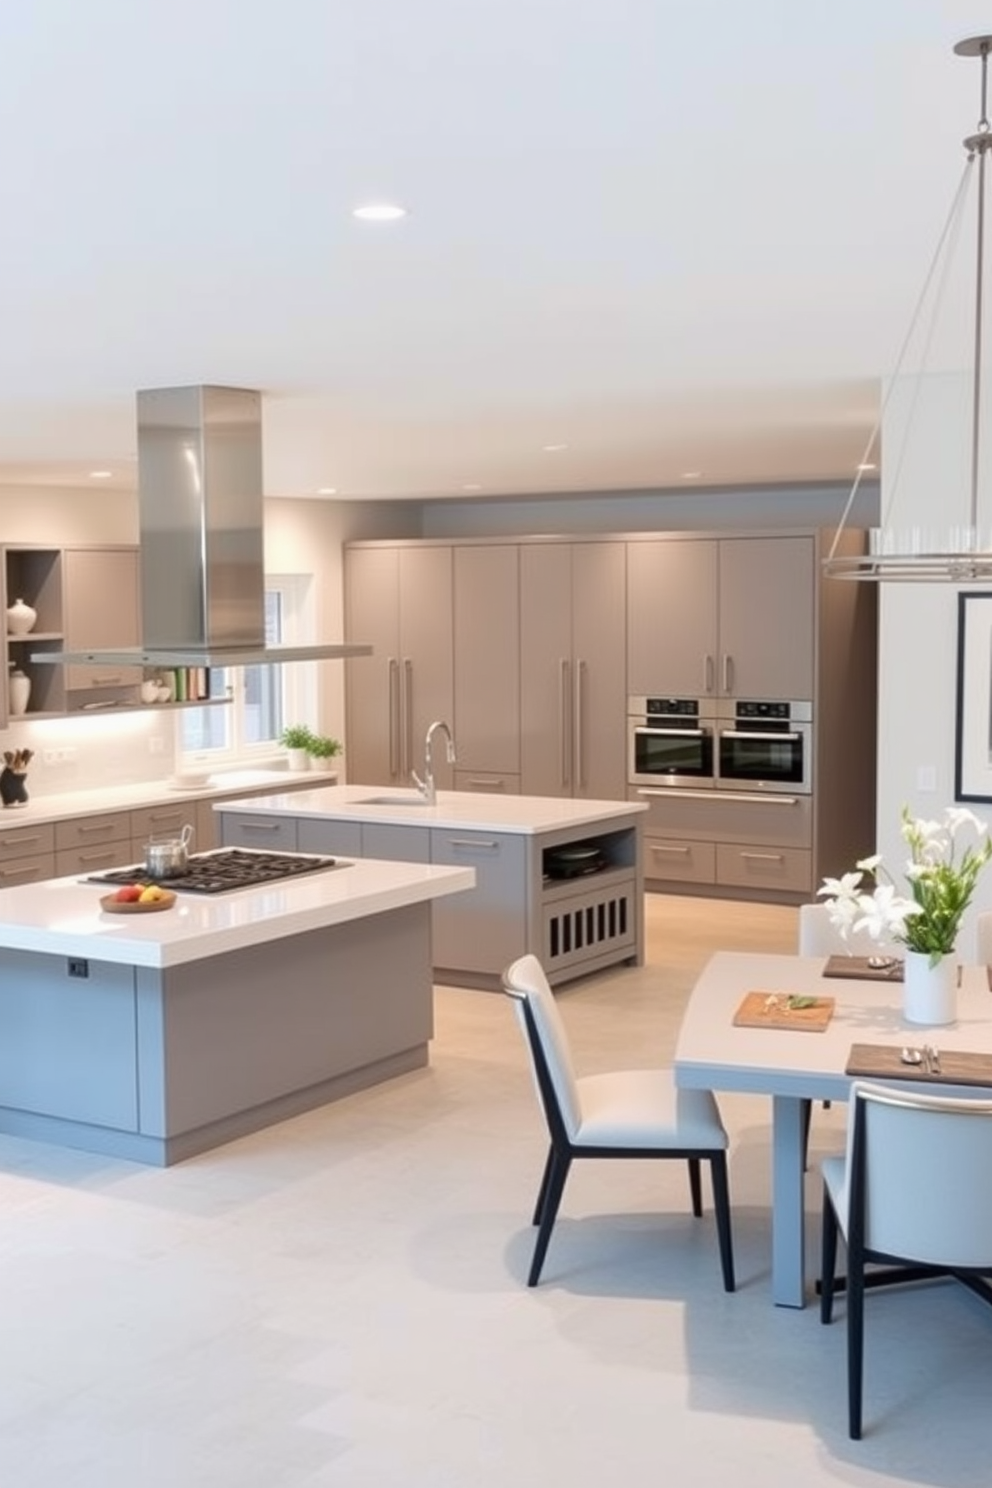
18 692
299 759
930 993
20 618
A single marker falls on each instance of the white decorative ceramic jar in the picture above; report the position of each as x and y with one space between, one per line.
930 993
18 692
20 618
299 759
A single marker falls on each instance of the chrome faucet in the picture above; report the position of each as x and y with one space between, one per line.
426 786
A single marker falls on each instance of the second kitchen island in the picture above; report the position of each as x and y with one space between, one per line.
558 877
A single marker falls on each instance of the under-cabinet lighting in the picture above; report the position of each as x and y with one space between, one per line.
379 212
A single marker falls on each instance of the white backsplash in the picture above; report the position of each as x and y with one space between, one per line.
112 748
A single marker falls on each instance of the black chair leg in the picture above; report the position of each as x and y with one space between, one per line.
695 1187
828 1259
721 1206
542 1192
855 1344
807 1117
559 1164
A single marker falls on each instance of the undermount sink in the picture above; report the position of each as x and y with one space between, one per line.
393 801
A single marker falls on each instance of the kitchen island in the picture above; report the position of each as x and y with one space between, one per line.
154 1036
559 877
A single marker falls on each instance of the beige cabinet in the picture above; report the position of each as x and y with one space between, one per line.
27 853
84 598
399 599
572 664
486 616
728 617
101 611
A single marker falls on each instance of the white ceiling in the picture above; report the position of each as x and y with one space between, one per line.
672 235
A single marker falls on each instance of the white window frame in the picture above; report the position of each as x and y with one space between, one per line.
298 683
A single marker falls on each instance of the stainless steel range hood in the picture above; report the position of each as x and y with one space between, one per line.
201 533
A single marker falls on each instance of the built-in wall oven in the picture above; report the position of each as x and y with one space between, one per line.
671 741
765 746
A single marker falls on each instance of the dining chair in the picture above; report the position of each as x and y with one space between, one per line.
911 1192
626 1113
983 928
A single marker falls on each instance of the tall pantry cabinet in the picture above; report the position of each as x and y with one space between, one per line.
572 688
399 599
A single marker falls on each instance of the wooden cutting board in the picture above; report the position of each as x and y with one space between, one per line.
774 1010
857 966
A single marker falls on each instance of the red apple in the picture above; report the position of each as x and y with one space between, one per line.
128 893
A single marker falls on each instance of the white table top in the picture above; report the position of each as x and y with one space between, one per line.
466 810
712 1054
62 916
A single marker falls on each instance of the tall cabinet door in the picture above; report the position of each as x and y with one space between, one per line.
767 625
599 634
372 683
399 600
546 682
487 659
672 618
101 611
426 655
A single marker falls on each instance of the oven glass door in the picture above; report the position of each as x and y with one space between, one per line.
659 753
776 761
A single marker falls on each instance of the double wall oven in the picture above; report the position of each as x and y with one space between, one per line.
730 744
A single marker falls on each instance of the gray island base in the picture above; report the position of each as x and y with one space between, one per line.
521 901
156 1050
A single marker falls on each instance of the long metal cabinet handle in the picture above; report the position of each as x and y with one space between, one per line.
750 797
580 723
472 844
765 857
408 724
707 673
394 715
564 739
728 673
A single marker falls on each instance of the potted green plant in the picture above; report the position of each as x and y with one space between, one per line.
296 739
322 748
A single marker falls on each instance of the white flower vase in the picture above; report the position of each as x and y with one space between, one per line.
930 993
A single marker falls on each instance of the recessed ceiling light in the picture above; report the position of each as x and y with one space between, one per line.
327 490
691 474
100 474
550 449
379 212
867 466
471 486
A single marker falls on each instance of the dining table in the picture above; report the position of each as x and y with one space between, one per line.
801 1051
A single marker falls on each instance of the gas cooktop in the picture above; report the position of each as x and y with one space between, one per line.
227 868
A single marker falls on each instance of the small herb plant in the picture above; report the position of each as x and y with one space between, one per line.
320 746
296 736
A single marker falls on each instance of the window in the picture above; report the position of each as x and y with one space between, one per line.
264 698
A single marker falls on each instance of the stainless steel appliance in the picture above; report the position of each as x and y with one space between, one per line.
671 741
227 868
765 746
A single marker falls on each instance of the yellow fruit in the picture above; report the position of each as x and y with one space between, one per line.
150 895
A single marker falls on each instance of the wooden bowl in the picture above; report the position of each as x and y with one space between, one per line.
134 906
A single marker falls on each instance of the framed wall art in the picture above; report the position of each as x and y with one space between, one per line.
973 741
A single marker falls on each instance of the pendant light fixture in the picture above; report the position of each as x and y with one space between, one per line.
961 551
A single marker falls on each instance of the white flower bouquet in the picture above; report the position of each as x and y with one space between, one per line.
941 876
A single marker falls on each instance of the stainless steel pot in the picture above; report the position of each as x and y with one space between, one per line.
168 857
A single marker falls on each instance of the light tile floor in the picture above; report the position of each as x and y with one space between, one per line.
339 1302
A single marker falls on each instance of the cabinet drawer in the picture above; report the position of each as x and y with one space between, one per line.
341 837
402 844
90 831
244 829
743 817
161 821
761 867
679 862
91 678
483 928
26 841
93 859
14 871
481 780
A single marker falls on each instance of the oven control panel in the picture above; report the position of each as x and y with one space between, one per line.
667 707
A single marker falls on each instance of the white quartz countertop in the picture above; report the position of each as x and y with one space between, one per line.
63 917
41 809
466 810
